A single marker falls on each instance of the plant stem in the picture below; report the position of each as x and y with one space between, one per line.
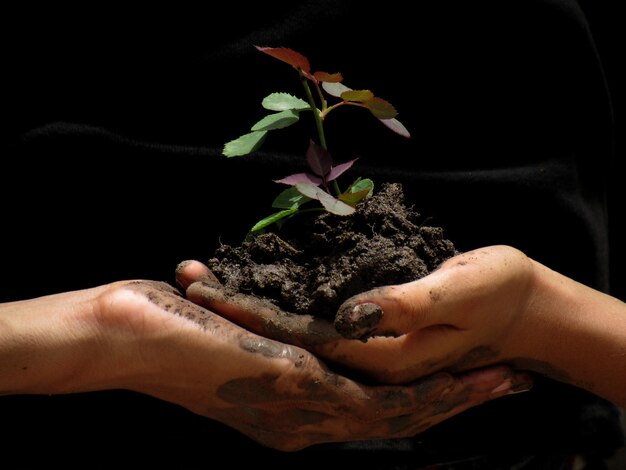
322 99
316 114
318 121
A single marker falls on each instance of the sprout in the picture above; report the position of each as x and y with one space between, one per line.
320 183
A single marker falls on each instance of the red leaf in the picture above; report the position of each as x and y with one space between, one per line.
319 159
338 170
328 77
293 58
298 178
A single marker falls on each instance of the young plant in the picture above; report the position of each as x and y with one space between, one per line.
320 183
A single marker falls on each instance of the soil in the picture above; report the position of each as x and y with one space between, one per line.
316 262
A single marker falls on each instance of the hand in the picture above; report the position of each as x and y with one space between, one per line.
466 314
488 306
142 336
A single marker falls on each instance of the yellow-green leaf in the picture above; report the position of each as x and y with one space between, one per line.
357 95
359 190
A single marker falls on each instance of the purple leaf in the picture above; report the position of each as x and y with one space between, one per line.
340 169
298 178
319 159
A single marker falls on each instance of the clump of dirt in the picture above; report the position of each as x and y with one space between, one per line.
316 262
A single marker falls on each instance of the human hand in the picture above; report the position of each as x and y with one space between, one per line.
466 314
143 336
279 394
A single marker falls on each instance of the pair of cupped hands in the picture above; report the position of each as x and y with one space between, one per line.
396 361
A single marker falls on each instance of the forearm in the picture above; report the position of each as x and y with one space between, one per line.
580 334
48 345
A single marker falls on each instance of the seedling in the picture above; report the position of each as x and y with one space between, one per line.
320 183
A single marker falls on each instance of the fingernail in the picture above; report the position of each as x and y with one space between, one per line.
512 387
506 385
179 269
359 321
521 387
182 265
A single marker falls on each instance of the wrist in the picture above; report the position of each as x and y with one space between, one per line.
574 334
53 344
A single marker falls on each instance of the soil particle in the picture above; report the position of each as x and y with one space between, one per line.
316 262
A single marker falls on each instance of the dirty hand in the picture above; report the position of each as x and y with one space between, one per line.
143 336
464 315
489 306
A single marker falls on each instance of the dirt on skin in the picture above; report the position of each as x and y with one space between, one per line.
317 262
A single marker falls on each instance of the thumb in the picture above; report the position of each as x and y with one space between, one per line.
389 310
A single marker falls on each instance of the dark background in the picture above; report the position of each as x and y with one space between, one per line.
606 21
135 251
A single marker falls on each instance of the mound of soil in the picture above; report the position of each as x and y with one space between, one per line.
317 262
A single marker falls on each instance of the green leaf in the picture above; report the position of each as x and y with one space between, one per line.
270 219
359 190
293 58
277 121
362 184
380 108
328 77
245 144
357 95
290 198
283 102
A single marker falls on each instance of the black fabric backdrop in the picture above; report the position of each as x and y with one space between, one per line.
111 170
